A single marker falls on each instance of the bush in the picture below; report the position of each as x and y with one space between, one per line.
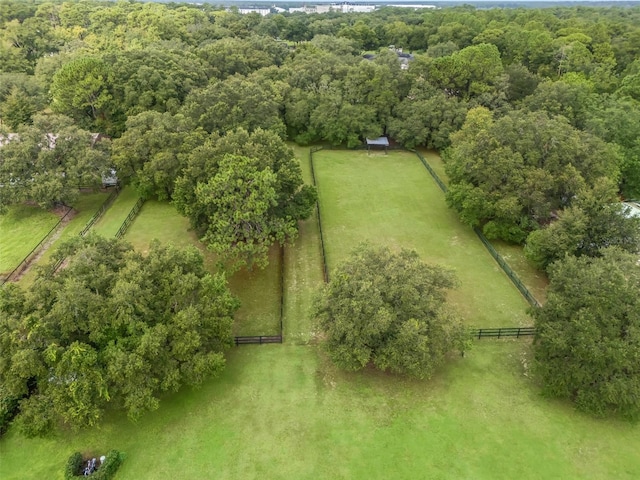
74 466
8 410
105 471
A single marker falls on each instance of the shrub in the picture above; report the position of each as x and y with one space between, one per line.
105 471
74 466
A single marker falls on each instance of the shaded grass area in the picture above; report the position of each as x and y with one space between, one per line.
302 270
85 207
534 279
258 290
113 218
392 200
282 412
21 229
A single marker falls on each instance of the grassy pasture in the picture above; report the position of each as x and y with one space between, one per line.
86 205
392 200
282 412
303 273
110 222
535 280
258 290
21 228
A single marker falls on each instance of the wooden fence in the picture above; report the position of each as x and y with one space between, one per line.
103 208
25 261
524 291
325 270
503 332
127 221
258 339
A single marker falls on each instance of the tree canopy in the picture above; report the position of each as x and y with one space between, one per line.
243 192
587 348
390 310
46 162
111 329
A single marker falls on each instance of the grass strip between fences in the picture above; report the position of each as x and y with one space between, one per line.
25 261
496 256
103 208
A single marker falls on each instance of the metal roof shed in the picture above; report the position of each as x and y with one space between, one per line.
378 142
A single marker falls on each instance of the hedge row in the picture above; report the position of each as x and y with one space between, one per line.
105 471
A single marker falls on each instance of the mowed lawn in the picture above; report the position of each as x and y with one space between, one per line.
21 229
392 200
258 290
110 222
283 412
303 274
535 279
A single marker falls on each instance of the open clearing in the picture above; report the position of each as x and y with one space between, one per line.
284 412
392 200
281 412
21 228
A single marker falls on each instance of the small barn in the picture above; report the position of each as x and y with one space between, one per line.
378 143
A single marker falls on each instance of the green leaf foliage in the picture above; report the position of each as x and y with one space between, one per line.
511 175
243 192
588 343
112 329
388 309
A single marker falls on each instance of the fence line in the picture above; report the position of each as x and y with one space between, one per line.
257 339
34 251
281 291
494 253
132 215
325 270
503 332
96 216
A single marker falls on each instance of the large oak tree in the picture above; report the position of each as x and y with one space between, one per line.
388 309
111 329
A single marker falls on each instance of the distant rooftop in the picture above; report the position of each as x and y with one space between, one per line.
633 209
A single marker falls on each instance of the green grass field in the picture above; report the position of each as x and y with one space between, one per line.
86 205
21 229
535 280
112 219
282 412
302 270
392 200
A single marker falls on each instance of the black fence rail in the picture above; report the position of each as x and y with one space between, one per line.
503 332
29 257
496 256
508 270
130 218
257 339
103 208
433 173
325 270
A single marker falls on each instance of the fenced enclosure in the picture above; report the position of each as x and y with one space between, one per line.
496 256
312 150
132 215
31 255
103 208
503 332
257 340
